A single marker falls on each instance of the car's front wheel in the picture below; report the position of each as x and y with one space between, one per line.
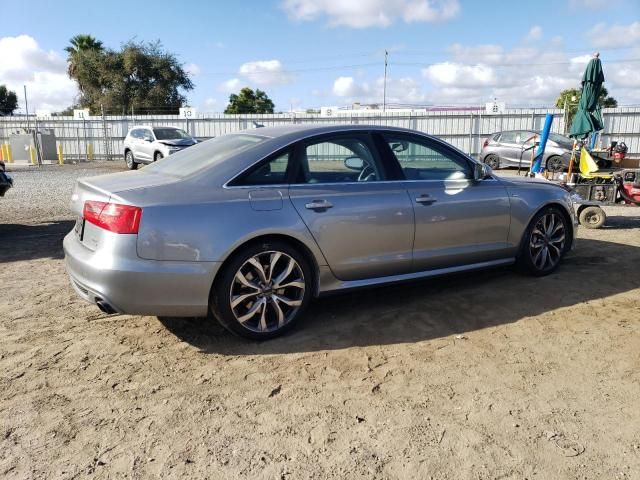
262 291
545 242
157 156
130 160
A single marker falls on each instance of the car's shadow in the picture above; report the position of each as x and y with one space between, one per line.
436 308
28 242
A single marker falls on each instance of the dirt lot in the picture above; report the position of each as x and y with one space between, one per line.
483 376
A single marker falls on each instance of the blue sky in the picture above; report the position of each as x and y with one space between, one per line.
312 53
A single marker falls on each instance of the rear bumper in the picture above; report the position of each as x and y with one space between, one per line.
131 285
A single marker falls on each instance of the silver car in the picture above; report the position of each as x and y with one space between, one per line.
252 226
514 147
149 144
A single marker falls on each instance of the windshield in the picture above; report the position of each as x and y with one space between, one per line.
170 133
203 155
560 138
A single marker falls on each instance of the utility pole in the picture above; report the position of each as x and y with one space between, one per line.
26 108
384 85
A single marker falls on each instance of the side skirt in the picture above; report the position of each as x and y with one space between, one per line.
329 283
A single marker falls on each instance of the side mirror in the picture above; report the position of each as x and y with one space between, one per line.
481 171
148 139
354 163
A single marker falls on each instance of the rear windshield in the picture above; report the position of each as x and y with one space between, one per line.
203 155
170 133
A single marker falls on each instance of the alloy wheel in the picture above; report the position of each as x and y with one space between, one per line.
547 241
554 164
129 159
267 291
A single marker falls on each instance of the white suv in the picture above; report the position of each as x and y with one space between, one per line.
148 144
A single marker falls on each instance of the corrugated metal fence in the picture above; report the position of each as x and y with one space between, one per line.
101 137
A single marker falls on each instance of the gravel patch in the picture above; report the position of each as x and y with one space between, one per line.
42 194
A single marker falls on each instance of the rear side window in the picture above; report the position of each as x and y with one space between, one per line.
340 159
271 172
423 160
135 133
509 137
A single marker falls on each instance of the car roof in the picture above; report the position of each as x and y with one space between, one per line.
302 131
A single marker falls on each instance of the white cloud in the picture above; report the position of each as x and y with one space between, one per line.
535 33
233 85
459 75
210 103
44 73
372 13
265 72
347 87
603 35
192 69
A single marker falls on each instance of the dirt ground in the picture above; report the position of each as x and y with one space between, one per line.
493 375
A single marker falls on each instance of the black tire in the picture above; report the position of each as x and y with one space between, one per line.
592 217
537 239
555 164
493 161
157 156
130 160
273 308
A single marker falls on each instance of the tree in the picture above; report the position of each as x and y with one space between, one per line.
140 76
8 101
566 100
248 101
79 45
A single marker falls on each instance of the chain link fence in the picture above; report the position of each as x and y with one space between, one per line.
101 137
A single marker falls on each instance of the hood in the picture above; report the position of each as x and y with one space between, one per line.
523 181
179 142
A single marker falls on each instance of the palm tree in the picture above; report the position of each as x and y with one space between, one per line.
79 44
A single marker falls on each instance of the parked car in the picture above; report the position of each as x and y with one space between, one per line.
513 148
149 144
252 225
6 182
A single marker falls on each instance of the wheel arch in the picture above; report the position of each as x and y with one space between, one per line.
265 238
567 216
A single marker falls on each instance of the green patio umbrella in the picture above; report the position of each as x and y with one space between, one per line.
588 118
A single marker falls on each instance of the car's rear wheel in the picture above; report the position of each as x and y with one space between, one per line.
493 161
545 242
262 291
157 156
555 164
130 160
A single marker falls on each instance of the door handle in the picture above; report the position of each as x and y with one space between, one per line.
425 199
318 205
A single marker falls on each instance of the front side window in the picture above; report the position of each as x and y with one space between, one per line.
421 160
338 160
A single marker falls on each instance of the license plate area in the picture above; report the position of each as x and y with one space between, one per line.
79 227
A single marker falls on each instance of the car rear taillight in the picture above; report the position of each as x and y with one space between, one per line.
113 216
486 143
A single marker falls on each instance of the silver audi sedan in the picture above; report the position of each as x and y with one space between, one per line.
251 226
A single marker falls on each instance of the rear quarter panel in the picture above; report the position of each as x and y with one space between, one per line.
210 226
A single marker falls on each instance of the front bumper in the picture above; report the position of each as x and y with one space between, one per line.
115 275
